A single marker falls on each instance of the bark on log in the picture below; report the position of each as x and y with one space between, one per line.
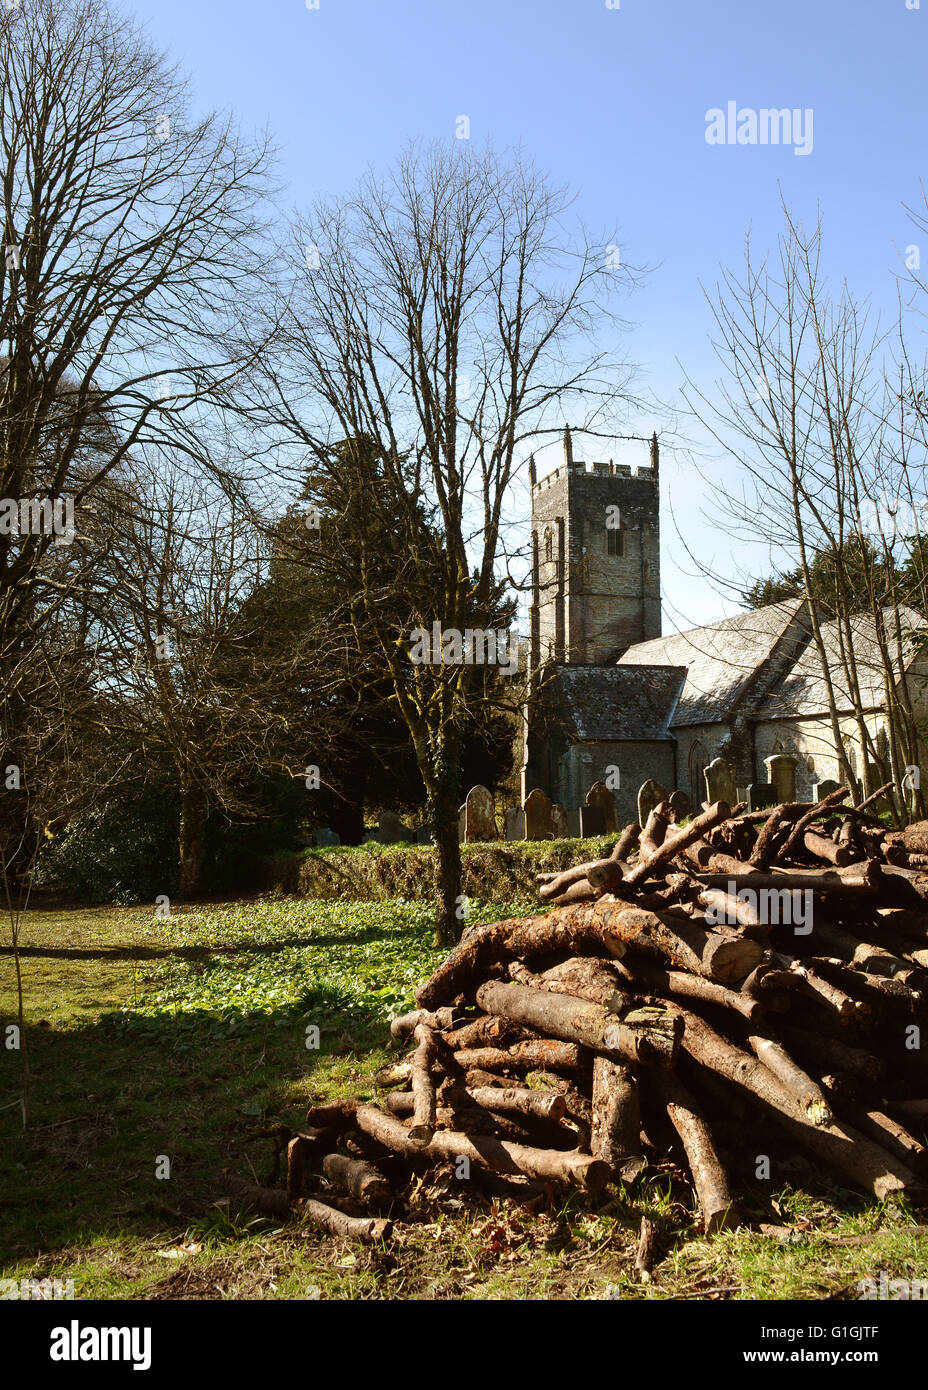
718 955
423 1088
616 1119
627 841
716 1205
271 1202
669 847
356 1178
545 1054
800 1086
820 808
655 829
649 1038
580 976
838 854
646 1251
579 1170
866 1164
685 986
762 853
581 930
542 1104
485 1032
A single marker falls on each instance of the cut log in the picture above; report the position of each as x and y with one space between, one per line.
820 808
685 986
830 1053
800 1086
838 854
580 976
627 841
717 1207
357 1178
655 829
579 1170
718 955
616 1119
670 846
648 1037
646 1251
866 1164
580 930
423 1088
545 1054
270 1202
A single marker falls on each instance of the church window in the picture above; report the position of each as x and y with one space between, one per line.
549 545
615 541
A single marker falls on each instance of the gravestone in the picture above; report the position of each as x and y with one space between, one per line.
825 788
573 824
781 771
720 781
681 805
423 835
602 796
559 828
761 795
742 793
391 830
515 823
462 815
592 821
479 815
650 794
537 808
326 838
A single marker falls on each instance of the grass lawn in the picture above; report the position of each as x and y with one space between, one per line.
185 1038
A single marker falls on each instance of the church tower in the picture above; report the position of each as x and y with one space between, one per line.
596 586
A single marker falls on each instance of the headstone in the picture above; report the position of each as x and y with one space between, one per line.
742 793
515 823
391 830
604 797
720 781
573 824
559 827
650 794
681 805
592 821
825 788
761 795
462 817
424 835
479 815
537 808
326 838
781 771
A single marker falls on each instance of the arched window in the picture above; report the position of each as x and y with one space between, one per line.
549 545
615 541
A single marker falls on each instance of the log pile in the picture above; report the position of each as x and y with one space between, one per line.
752 984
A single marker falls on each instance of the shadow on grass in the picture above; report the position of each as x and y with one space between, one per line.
112 1100
200 953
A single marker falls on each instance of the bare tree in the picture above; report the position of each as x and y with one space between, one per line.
131 232
808 408
435 320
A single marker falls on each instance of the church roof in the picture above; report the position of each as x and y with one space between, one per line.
722 660
618 703
802 691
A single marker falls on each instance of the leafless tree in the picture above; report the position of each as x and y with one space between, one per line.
434 321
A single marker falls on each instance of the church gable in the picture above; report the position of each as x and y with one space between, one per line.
730 664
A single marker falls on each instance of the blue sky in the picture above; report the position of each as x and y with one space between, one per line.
613 102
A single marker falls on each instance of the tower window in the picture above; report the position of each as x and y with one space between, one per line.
549 545
615 542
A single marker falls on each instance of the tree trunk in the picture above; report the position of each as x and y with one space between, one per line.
191 840
444 803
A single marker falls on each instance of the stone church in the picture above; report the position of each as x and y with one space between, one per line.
613 700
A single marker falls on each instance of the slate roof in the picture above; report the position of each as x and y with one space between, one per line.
618 703
802 691
721 659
